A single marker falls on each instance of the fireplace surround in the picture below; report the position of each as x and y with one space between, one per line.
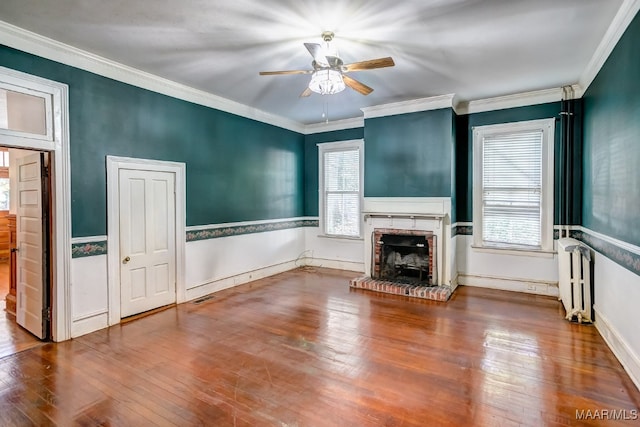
404 256
408 221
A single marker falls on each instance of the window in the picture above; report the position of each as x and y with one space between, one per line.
340 166
513 185
4 179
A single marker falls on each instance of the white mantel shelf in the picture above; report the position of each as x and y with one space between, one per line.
403 215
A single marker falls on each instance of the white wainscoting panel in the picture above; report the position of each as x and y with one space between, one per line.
89 299
343 254
220 263
521 273
616 302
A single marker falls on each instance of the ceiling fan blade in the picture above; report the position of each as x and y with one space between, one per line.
305 93
274 73
317 52
356 85
370 64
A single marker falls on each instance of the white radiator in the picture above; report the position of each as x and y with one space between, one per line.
574 262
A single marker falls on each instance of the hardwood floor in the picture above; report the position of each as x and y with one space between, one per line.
4 279
302 349
13 338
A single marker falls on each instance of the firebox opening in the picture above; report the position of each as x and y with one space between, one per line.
405 259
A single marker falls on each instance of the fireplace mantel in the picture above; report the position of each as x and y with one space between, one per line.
411 213
403 215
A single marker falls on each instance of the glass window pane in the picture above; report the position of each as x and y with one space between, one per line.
22 113
343 216
4 194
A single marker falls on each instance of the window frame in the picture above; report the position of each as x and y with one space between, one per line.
547 127
327 147
48 105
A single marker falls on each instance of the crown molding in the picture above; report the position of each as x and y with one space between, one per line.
45 47
621 21
516 100
412 106
353 123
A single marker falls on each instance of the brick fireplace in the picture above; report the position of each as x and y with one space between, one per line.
404 256
408 247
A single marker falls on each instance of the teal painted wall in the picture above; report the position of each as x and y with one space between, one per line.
611 184
409 155
464 153
311 163
237 169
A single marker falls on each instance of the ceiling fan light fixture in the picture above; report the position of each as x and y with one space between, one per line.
326 82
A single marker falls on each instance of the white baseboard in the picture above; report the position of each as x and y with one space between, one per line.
335 264
89 324
455 283
538 287
628 359
216 285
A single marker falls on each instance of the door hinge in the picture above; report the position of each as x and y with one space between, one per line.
46 313
45 172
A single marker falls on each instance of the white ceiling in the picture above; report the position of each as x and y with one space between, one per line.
473 48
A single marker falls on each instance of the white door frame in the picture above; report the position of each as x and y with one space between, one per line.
57 143
114 164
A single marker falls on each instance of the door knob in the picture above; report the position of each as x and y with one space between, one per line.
126 260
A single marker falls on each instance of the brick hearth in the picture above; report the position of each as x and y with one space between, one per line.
437 293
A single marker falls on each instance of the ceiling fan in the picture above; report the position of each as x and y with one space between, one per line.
329 73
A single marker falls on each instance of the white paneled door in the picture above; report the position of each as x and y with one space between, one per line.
147 240
32 284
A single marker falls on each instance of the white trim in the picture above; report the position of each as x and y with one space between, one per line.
89 315
211 286
619 243
511 101
61 185
114 164
356 122
529 286
462 224
90 324
327 147
45 47
407 205
412 106
618 26
547 126
629 360
507 250
88 239
247 223
334 264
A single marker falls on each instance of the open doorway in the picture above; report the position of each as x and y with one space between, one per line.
47 102
24 220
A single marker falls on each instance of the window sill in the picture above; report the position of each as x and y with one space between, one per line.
514 251
334 237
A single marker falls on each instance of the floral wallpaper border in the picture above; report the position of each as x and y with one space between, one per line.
85 249
81 250
621 256
215 232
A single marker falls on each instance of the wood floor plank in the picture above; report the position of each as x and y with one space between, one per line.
302 348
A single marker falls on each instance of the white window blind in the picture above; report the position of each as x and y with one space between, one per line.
341 189
512 180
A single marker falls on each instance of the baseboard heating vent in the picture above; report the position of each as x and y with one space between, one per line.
574 281
203 299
